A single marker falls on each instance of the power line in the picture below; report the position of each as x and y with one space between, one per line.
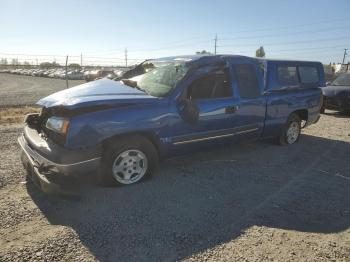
289 26
288 33
333 52
170 44
167 44
297 50
167 47
293 42
186 46
106 60
22 54
309 48
80 56
120 60
182 44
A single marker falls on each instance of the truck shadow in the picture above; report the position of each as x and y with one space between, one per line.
200 201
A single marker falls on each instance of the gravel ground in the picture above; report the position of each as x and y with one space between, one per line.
27 90
248 202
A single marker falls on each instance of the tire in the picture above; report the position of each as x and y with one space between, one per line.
128 160
291 131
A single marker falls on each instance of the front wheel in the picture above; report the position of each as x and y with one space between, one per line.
291 131
128 161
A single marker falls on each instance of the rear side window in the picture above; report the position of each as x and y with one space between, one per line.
288 75
247 80
308 74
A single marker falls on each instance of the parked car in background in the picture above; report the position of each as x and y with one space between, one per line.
97 74
48 72
75 75
336 95
90 75
60 73
120 129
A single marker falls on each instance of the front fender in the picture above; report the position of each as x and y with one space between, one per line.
93 128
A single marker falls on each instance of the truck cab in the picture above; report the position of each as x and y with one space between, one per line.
168 106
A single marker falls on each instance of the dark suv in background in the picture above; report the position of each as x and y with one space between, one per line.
336 95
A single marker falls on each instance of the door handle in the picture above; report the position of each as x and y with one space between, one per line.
231 109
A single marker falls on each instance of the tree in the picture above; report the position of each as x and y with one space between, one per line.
260 52
14 61
49 65
203 52
74 65
4 61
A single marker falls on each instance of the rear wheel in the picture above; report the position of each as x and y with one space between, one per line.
127 161
291 131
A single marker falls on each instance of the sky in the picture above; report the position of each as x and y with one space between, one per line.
41 30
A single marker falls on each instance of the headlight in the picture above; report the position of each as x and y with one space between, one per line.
58 124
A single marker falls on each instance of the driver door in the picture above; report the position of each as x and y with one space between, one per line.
212 96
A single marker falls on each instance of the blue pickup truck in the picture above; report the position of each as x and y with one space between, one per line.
164 107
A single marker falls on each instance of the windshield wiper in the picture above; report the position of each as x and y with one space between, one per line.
132 84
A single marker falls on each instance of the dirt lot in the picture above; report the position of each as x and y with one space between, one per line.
27 90
12 115
248 202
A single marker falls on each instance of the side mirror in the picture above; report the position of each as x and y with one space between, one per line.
188 110
328 83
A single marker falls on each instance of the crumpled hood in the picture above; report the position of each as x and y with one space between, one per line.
334 90
92 93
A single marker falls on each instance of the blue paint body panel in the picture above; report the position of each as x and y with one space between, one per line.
126 110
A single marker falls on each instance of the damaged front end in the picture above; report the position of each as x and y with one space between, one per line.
50 123
49 164
56 145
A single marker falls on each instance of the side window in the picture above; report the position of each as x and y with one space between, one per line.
247 81
308 74
288 75
214 85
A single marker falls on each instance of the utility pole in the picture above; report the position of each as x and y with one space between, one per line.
81 59
66 70
126 57
215 43
345 49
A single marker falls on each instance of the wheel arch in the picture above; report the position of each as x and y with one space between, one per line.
302 113
149 135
